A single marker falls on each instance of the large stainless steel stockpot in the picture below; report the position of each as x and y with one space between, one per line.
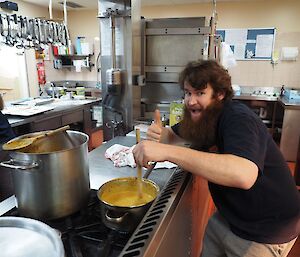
28 237
51 177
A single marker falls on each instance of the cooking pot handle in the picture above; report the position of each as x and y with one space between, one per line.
11 164
115 219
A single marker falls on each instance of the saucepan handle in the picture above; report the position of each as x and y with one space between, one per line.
118 219
149 170
12 165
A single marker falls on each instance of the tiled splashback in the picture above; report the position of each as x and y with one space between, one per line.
259 75
263 73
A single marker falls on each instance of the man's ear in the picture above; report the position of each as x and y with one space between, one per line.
220 96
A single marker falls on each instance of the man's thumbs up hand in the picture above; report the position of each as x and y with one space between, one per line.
157 119
155 130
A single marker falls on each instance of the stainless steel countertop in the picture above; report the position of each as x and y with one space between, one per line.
255 97
59 106
289 104
103 170
286 103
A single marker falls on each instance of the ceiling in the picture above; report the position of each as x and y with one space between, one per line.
93 4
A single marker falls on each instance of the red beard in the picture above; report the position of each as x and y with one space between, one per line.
201 133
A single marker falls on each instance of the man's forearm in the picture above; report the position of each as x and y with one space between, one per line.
223 169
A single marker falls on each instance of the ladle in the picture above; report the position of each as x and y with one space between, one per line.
16 144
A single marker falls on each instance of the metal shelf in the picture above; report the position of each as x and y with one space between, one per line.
68 58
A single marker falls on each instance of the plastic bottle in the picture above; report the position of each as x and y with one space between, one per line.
164 120
282 90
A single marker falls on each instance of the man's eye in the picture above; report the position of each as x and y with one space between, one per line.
200 93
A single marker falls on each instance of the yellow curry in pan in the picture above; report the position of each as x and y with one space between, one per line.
124 192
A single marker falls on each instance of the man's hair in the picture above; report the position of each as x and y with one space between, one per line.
201 73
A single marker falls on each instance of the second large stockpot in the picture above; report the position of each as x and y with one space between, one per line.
51 177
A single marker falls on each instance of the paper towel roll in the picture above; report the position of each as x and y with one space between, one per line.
85 48
289 53
77 64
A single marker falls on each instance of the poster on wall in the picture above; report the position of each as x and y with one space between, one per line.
250 44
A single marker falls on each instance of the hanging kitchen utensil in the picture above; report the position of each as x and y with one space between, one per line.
24 27
20 30
8 38
24 142
4 22
1 25
36 33
13 24
55 32
50 32
42 30
59 33
25 32
64 35
19 26
30 27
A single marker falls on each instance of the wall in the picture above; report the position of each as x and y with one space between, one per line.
268 13
81 23
284 15
30 10
12 66
86 24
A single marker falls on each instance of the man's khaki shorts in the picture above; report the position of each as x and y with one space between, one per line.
219 241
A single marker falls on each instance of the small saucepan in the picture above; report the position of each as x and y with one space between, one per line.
122 208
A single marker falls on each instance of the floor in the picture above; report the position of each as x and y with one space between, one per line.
295 252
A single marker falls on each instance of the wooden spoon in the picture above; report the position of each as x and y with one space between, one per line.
139 167
16 144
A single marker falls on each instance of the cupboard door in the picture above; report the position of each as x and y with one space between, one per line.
203 208
47 124
76 116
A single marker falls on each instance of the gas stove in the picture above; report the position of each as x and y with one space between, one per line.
83 233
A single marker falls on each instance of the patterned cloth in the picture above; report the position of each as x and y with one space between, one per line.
120 155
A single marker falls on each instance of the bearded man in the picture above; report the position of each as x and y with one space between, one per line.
258 205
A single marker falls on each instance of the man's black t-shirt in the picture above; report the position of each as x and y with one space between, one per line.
6 132
269 212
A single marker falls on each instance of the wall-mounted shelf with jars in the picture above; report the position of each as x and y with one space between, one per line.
67 61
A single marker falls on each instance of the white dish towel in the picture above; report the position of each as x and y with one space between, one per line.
122 156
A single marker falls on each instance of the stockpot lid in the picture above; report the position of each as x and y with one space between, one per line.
24 237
